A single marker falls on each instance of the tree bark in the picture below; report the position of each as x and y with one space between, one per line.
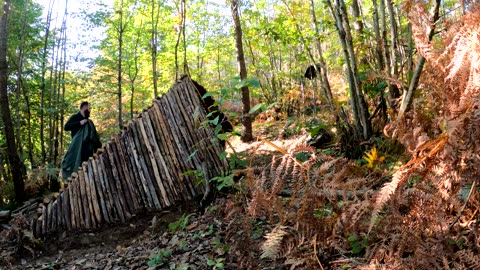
359 106
42 86
121 29
17 167
242 68
323 66
358 23
408 95
393 88
154 45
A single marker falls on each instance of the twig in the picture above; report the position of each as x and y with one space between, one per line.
315 251
464 205
474 213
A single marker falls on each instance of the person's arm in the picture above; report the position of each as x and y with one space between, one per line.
74 122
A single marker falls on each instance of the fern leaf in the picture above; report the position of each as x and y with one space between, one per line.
272 246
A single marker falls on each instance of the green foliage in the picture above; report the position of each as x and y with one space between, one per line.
216 263
357 245
180 224
160 258
202 233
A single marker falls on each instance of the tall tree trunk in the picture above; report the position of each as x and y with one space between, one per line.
359 106
379 55
184 19
408 95
43 85
121 29
19 82
154 43
179 35
16 165
242 68
64 68
357 23
133 76
393 88
323 66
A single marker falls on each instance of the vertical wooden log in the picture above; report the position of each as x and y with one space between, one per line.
39 223
67 218
111 182
156 171
44 220
107 192
60 224
102 194
122 180
132 170
79 201
134 139
85 207
176 156
87 168
53 223
160 159
118 210
135 160
181 142
33 224
116 181
49 217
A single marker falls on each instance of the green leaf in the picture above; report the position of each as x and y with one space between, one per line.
215 121
255 108
208 94
222 137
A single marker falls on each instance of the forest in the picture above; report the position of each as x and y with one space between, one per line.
352 137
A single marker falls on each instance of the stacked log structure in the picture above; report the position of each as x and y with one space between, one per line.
140 169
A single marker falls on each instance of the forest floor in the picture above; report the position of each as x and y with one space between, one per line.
176 238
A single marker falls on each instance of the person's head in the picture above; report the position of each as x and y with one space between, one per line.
85 108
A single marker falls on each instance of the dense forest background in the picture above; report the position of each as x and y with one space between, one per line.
392 86
363 52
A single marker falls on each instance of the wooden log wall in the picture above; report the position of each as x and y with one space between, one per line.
142 168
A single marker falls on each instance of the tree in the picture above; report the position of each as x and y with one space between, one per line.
154 45
359 106
18 170
408 95
242 69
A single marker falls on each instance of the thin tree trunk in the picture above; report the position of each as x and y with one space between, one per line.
154 43
379 56
393 88
408 95
357 23
42 87
359 106
184 19
64 67
134 76
179 34
121 29
242 68
323 66
17 167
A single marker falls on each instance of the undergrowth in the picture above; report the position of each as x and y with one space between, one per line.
325 212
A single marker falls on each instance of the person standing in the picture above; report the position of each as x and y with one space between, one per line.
85 140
